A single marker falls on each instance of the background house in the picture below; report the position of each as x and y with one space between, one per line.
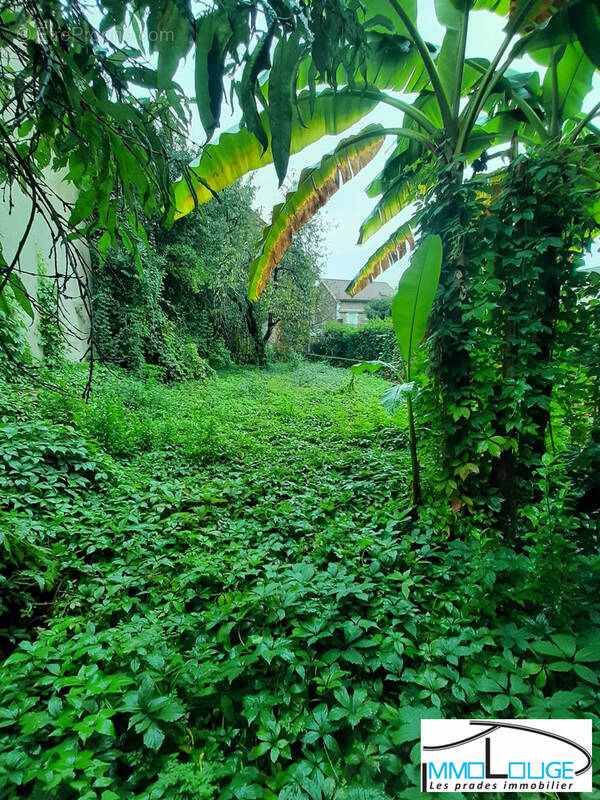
334 305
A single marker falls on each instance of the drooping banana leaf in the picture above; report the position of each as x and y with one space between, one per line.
500 7
555 24
574 72
393 167
480 139
585 19
379 15
556 32
239 152
316 185
213 34
389 253
412 303
527 14
403 192
407 151
392 62
389 62
282 96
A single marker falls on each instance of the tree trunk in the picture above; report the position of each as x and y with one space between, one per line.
452 364
414 460
247 311
255 334
503 477
271 324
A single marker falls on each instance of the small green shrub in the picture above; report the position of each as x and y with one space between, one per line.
13 347
375 340
29 569
46 466
44 470
219 356
179 358
192 780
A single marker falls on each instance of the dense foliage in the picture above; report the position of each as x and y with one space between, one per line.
90 92
192 628
187 302
375 339
255 583
71 104
468 112
503 329
380 309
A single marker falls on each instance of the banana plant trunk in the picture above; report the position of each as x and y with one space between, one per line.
414 459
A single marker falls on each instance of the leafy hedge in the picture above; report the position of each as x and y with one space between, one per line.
373 340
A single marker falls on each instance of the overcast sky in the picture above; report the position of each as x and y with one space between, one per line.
347 209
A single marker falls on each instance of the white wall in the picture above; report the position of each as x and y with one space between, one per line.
357 307
13 223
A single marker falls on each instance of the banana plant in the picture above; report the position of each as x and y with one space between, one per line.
411 308
441 126
551 125
239 151
477 110
388 63
551 110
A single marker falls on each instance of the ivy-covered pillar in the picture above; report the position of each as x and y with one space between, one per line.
531 239
453 207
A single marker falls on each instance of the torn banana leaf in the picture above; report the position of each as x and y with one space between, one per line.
317 184
395 248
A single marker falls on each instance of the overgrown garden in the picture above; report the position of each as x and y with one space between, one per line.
227 571
218 590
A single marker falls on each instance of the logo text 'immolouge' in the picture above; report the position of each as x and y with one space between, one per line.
508 755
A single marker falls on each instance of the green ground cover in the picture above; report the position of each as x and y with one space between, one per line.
216 591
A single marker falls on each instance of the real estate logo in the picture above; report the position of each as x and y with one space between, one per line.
508 755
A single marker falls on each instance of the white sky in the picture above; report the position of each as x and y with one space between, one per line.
347 209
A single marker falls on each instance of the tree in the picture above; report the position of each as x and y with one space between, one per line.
380 309
547 203
219 243
70 105
438 127
208 255
293 294
533 240
190 295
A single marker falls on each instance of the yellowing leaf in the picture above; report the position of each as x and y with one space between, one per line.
239 152
391 251
402 192
317 184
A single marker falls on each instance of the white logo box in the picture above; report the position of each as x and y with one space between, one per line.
506 755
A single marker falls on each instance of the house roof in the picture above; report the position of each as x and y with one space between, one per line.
372 291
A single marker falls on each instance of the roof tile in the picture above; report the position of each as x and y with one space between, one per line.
372 291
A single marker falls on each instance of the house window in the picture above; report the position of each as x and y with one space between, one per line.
352 318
